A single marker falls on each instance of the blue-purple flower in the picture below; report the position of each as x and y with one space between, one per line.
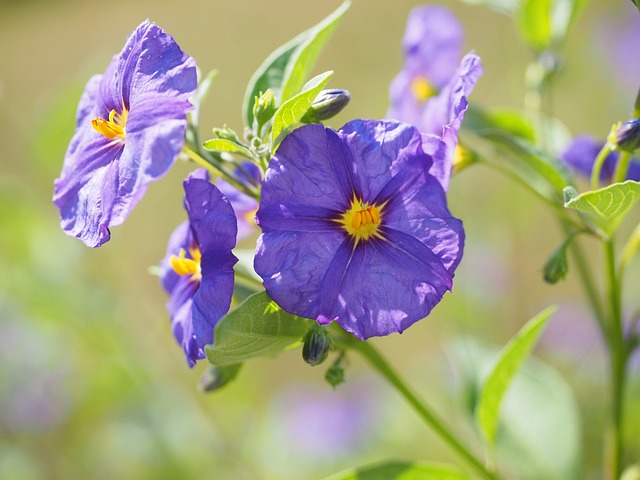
130 127
355 229
581 154
243 205
197 271
431 90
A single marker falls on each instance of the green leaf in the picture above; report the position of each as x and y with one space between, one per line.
540 433
224 145
512 121
519 157
204 85
607 206
509 361
401 471
533 19
257 327
291 112
285 69
306 55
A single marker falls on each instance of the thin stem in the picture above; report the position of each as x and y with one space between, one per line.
219 171
629 251
618 362
597 166
425 411
622 167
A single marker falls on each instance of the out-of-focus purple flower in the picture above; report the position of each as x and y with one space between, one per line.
130 127
431 90
197 271
355 229
243 205
618 37
581 154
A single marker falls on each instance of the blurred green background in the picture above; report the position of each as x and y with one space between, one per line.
91 382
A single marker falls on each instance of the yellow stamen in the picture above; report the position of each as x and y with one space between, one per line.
361 220
114 127
422 89
462 157
187 266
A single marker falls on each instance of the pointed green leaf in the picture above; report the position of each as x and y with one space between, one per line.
401 471
306 55
540 431
533 20
257 327
607 206
224 145
291 112
508 363
286 68
204 85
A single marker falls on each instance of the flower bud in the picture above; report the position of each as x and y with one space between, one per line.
227 134
327 105
626 136
334 375
556 267
264 107
218 376
316 346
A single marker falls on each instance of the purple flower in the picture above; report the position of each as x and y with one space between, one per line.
244 206
355 229
197 271
431 90
581 155
130 127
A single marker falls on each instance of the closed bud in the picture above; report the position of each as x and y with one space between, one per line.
327 105
316 346
334 375
226 134
626 136
264 107
556 267
218 376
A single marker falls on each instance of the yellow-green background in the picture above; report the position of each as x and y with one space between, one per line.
91 382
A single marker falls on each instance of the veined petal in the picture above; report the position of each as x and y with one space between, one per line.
385 287
140 104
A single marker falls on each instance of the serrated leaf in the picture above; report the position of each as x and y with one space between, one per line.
257 327
508 363
401 471
607 206
285 70
224 145
291 112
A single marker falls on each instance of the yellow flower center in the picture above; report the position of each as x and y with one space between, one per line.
114 127
462 157
187 266
362 220
422 89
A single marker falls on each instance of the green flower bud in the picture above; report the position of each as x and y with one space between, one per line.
218 376
227 134
626 136
264 107
334 375
316 346
327 105
556 267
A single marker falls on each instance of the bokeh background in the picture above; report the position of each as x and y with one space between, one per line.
91 382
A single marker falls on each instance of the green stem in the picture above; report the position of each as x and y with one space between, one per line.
425 412
618 363
623 166
597 166
219 171
629 250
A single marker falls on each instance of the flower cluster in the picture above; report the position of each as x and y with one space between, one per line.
355 224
